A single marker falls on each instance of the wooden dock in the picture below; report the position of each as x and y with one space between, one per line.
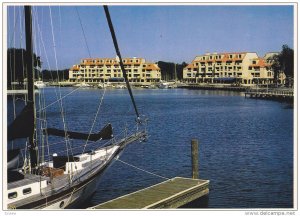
279 95
172 193
213 87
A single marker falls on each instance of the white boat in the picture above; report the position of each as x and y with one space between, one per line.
104 85
82 85
65 179
163 85
120 86
39 84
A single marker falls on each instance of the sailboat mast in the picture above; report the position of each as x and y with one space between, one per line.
30 84
112 31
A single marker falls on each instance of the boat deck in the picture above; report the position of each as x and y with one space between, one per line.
88 165
29 179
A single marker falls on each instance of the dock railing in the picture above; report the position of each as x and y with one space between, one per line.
271 92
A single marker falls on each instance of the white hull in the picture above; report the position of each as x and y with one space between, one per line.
71 188
77 197
82 85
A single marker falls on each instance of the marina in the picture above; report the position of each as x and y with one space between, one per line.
88 129
255 155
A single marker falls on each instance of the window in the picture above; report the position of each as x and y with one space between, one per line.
12 195
26 191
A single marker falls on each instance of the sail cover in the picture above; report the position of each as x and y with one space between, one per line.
105 133
22 126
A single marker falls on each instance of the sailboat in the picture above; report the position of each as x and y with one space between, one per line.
66 180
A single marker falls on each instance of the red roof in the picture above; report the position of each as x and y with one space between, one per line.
260 62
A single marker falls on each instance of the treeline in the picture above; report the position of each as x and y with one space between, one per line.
171 71
55 75
16 66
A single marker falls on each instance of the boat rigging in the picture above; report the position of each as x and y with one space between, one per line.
64 180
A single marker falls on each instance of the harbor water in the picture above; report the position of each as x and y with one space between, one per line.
246 145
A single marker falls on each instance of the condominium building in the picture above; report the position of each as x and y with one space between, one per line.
95 70
244 68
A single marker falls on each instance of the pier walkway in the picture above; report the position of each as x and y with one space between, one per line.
274 94
172 193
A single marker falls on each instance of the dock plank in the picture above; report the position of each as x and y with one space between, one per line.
172 193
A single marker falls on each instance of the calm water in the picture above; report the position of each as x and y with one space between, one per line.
246 145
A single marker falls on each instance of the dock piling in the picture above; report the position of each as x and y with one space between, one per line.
195 158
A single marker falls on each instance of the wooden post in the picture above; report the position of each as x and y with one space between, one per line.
195 155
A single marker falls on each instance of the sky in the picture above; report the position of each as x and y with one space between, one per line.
157 33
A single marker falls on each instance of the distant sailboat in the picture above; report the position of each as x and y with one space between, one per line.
66 179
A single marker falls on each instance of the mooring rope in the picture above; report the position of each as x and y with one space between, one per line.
151 173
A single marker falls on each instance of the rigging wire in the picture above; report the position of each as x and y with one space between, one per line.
11 73
60 101
47 61
21 47
41 114
83 33
14 30
14 67
94 121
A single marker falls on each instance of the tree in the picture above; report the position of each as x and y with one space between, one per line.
52 75
286 58
168 70
283 62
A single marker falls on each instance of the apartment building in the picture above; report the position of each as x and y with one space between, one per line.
95 70
244 68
